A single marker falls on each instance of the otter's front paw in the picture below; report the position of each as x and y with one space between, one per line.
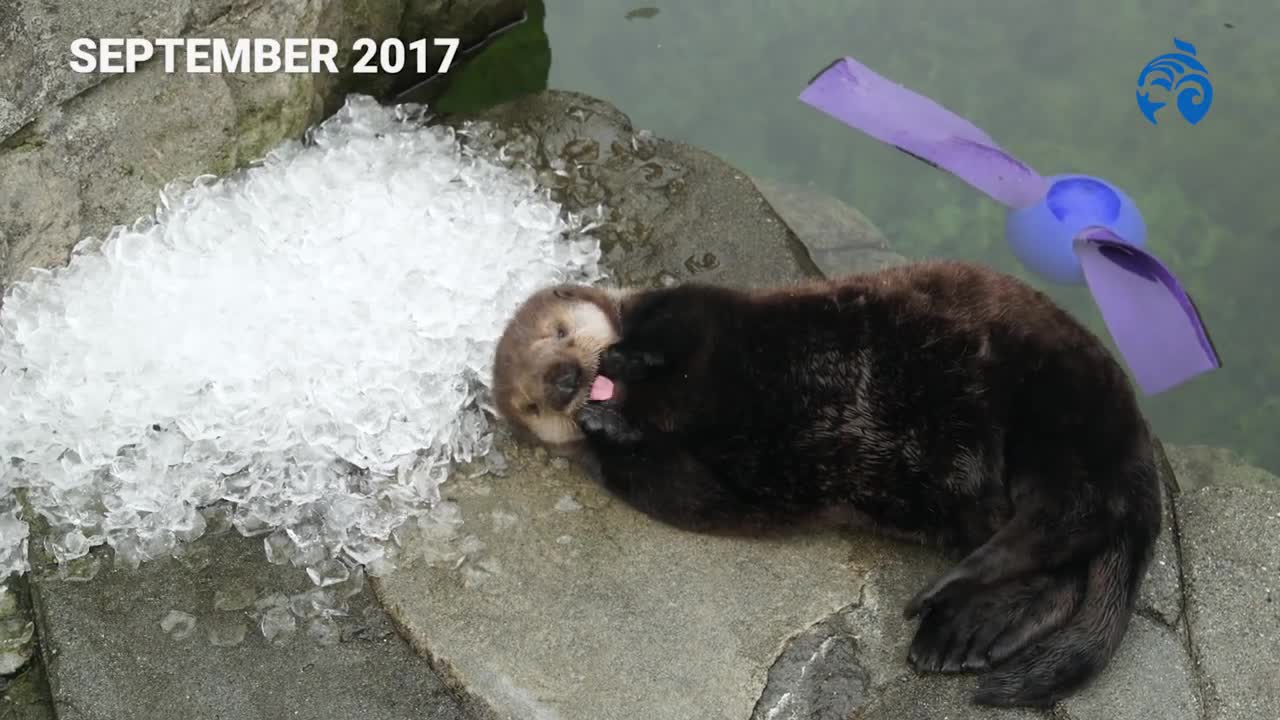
619 363
602 422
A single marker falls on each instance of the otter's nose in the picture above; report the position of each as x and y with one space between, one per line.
564 379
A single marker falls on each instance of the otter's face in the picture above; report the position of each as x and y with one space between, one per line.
547 359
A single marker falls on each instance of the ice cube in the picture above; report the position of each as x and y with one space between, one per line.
178 624
237 597
328 572
228 633
567 503
323 631
277 624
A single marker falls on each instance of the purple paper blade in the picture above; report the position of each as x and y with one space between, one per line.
1152 319
856 96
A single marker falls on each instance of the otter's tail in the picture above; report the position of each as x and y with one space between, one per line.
1057 665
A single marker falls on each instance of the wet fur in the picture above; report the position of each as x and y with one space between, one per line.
941 401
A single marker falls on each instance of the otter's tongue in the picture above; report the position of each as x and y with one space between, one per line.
601 388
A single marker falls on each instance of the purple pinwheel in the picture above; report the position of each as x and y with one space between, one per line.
1070 229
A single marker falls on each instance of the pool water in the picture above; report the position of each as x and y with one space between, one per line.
1053 83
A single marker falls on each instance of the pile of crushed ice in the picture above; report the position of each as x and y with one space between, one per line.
308 341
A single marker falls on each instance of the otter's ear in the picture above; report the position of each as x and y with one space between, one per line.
565 293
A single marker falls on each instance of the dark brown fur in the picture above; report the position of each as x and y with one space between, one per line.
938 400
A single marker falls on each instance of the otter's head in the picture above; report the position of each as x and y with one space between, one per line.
547 359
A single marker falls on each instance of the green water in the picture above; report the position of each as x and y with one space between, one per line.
1053 82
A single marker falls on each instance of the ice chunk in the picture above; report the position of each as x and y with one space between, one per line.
178 624
317 602
328 572
236 597
567 503
227 633
323 631
304 345
81 569
277 624
503 520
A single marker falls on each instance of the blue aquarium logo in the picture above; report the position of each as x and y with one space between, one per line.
1181 73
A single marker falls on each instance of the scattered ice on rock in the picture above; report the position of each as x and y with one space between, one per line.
82 569
481 573
470 545
13 531
178 624
328 572
323 631
304 345
277 624
237 597
228 633
503 520
497 462
568 504
16 632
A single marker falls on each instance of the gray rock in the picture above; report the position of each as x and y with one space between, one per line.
817 676
470 21
674 212
540 610
1161 595
550 596
35 73
81 152
26 696
1198 466
839 238
1231 555
1150 670
16 630
151 644
101 158
941 697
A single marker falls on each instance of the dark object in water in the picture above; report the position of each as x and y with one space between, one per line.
642 13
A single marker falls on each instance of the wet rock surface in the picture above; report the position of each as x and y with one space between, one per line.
551 600
672 212
1151 670
1231 555
839 238
1161 597
188 638
817 675
1198 466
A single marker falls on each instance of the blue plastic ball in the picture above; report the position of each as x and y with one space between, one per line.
1041 235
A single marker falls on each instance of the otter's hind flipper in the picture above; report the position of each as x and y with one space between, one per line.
1059 664
1033 541
969 632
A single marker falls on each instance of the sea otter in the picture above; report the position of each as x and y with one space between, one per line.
940 400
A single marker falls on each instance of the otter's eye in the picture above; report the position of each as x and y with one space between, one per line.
531 409
562 332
